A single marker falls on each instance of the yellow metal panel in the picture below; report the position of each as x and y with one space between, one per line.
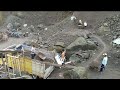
25 64
28 65
22 64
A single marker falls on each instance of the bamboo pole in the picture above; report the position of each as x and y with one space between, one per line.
19 66
13 66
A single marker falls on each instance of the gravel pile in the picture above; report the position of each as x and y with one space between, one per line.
113 23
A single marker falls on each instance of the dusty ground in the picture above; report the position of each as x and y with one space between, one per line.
63 27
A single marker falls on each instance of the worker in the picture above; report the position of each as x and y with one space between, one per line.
63 56
104 62
85 24
80 24
33 52
73 17
22 50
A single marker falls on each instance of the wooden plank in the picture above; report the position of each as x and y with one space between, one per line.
57 65
48 71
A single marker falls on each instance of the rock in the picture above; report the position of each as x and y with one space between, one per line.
40 25
5 37
50 48
79 42
60 44
58 48
76 73
102 30
91 45
16 25
82 43
31 28
94 65
85 55
79 57
25 25
70 74
10 26
46 29
116 41
105 24
75 58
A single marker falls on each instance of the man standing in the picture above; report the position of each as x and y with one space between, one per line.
33 52
104 62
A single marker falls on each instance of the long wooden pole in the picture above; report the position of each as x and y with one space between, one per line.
56 65
13 67
7 65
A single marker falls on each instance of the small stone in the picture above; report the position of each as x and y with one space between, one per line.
105 24
118 51
25 25
46 29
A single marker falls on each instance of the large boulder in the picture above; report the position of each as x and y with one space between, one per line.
75 58
94 65
76 73
78 43
79 57
83 44
91 45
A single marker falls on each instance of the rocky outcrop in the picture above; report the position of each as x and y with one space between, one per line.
79 57
83 44
76 73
